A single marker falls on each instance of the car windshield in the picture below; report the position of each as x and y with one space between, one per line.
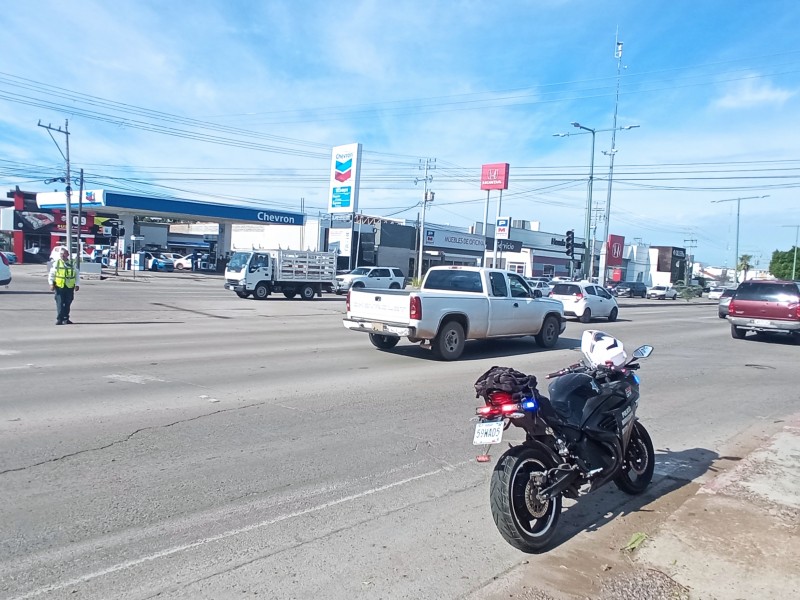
659 288
359 271
237 261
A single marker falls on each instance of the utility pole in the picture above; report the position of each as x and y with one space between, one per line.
794 262
50 129
610 154
738 212
691 244
428 165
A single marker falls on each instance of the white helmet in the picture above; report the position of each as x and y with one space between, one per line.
601 348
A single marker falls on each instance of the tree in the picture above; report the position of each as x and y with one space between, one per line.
781 264
745 264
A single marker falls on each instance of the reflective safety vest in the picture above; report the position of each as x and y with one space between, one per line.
65 275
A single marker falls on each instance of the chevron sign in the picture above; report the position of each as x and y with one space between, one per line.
343 170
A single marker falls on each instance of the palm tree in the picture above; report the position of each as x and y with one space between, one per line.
745 264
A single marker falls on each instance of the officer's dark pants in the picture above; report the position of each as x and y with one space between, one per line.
64 298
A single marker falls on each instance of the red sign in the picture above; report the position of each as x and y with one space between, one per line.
494 176
87 221
614 249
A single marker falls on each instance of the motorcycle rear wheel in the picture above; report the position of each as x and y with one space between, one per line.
525 523
640 461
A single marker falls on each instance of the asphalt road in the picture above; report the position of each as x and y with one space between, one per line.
180 442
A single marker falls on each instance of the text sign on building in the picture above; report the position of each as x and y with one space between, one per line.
505 245
494 176
439 238
502 228
345 179
614 250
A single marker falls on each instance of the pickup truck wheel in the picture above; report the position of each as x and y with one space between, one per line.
383 342
737 332
261 292
586 316
548 335
242 294
449 342
307 292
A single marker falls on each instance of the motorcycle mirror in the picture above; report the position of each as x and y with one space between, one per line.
643 352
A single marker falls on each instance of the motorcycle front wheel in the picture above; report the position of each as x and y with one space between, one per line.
523 521
639 463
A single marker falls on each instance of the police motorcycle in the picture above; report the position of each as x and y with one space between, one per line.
583 436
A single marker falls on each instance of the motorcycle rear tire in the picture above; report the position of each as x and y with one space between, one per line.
528 531
639 447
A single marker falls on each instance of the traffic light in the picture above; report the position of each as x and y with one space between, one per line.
570 243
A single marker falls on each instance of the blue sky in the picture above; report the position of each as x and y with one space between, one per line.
243 100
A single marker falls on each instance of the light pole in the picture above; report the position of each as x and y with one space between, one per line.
738 211
588 255
794 263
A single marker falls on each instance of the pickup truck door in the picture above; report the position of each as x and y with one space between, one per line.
512 310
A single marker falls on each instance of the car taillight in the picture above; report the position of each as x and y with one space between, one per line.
731 306
347 303
415 308
578 297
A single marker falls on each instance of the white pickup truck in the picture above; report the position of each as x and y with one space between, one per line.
453 305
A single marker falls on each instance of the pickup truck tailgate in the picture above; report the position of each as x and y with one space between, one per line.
388 306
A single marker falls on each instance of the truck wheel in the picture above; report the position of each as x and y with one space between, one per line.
737 332
449 342
394 286
307 292
290 295
243 294
261 292
548 335
383 342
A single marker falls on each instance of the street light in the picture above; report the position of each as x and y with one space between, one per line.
588 255
738 211
796 233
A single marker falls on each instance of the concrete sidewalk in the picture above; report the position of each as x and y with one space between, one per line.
739 536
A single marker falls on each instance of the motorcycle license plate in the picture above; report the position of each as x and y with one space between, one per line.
489 432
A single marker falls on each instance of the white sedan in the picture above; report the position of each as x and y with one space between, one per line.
662 292
184 263
715 293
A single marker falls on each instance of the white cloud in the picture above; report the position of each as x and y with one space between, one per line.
750 93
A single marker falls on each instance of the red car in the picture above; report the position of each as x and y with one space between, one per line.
765 306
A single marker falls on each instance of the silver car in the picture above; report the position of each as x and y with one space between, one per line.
725 300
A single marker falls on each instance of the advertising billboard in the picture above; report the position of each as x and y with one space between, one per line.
502 228
614 250
345 179
494 176
340 241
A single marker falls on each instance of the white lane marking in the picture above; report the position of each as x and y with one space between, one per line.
131 378
233 532
4 352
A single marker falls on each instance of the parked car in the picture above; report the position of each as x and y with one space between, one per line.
5 270
725 300
765 307
715 293
156 261
11 256
183 262
390 278
585 300
537 284
631 289
662 292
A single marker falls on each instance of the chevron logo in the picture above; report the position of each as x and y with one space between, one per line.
343 170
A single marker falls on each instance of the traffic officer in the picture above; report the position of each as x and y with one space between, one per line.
63 279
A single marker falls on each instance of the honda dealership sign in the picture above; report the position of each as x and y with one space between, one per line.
494 176
345 179
616 246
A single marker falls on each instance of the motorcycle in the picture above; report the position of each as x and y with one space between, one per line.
583 436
